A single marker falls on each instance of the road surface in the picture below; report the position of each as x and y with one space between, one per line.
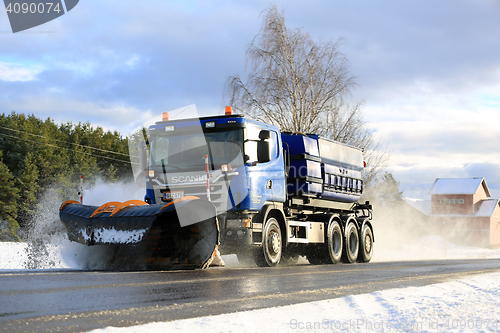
75 301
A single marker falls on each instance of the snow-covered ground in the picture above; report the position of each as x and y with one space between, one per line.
471 304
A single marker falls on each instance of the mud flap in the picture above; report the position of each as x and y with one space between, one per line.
183 234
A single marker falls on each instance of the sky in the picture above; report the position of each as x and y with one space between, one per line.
428 72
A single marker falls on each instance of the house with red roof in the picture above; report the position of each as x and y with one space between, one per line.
466 211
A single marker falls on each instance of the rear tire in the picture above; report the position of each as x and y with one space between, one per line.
335 242
351 248
271 249
366 244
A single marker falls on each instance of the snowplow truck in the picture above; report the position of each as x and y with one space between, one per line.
236 185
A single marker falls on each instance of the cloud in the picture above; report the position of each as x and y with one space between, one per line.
110 116
15 72
425 150
418 179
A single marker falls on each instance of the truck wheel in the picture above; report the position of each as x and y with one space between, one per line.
335 242
366 244
351 248
271 244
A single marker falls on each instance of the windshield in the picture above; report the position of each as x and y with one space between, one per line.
187 152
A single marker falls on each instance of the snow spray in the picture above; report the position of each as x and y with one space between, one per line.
47 244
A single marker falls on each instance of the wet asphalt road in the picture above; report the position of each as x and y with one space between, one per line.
75 301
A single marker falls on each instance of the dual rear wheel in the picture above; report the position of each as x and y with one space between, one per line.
358 247
347 247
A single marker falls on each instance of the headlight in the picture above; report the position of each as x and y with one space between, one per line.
239 223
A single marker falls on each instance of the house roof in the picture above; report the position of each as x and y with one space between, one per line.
423 206
487 207
458 186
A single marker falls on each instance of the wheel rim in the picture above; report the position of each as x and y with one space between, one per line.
368 244
275 242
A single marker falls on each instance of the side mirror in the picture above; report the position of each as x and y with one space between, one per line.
143 157
264 135
142 145
263 151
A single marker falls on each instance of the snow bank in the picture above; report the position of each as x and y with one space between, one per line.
12 255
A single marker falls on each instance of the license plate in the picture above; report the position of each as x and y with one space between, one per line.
173 195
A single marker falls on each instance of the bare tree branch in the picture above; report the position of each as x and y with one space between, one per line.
299 84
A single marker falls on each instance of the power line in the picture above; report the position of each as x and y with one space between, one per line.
70 149
67 142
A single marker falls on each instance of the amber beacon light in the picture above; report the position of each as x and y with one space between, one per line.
229 110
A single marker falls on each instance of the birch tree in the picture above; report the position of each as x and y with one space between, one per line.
302 85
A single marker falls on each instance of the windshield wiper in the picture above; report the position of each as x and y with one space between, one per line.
163 165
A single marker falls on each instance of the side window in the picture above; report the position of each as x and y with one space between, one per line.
159 150
251 138
274 145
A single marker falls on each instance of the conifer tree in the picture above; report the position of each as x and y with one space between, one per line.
9 194
28 186
385 191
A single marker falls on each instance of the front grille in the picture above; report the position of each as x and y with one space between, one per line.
218 194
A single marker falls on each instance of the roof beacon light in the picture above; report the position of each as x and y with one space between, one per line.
166 116
229 110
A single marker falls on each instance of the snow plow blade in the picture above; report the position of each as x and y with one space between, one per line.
181 234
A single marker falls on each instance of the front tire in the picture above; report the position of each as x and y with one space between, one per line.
271 244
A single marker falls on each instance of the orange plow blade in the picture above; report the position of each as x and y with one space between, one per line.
182 235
